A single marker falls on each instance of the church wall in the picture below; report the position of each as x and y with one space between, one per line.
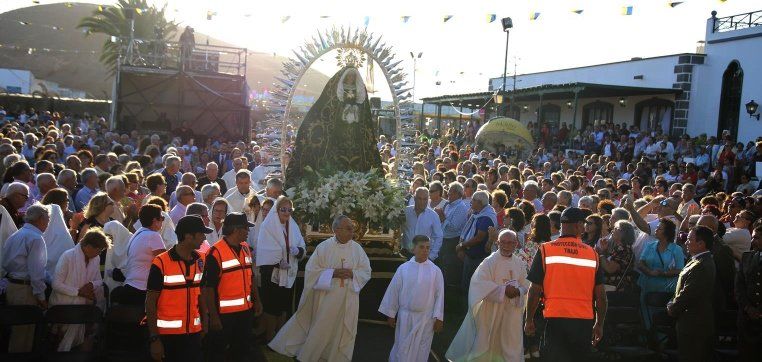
744 46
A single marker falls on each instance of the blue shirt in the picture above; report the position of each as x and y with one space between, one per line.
427 223
83 197
25 257
456 214
480 223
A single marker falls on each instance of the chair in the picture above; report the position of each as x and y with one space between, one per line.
74 314
662 334
126 338
726 330
19 315
624 328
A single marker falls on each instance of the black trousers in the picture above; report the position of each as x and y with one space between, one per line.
182 347
132 296
452 267
749 338
566 339
234 340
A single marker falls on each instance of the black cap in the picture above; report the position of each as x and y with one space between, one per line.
572 215
234 219
190 224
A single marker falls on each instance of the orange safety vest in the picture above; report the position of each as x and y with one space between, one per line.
234 289
570 268
177 308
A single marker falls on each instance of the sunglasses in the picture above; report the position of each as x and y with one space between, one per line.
286 209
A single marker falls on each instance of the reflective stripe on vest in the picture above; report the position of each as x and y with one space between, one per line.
177 307
570 268
234 288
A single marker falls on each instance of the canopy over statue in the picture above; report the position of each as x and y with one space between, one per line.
337 133
504 134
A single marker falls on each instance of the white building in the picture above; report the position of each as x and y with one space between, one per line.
24 82
702 92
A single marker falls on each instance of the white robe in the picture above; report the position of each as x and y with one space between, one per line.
71 274
492 329
325 325
116 256
7 228
57 239
415 297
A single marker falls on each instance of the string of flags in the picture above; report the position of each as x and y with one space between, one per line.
627 10
32 51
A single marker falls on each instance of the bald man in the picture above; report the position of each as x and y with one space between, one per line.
724 264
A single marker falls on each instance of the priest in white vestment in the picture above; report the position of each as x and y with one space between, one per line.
414 304
493 327
324 326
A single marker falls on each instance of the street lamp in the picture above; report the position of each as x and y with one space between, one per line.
415 63
507 25
752 108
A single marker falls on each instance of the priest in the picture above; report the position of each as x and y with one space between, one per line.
414 304
325 324
492 329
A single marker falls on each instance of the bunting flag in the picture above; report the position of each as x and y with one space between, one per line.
534 16
447 18
675 3
405 18
325 16
578 11
627 10
491 18
366 21
100 8
284 19
210 14
68 5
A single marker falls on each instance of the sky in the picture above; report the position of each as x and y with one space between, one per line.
464 52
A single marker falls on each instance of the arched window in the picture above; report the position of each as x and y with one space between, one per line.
730 99
653 113
597 112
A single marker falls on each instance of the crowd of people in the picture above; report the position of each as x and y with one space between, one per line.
201 237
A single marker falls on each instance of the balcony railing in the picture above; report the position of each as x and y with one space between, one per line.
175 56
738 22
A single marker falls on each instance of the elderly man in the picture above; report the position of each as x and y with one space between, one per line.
210 192
188 179
237 195
688 206
24 260
16 196
453 217
185 197
692 303
273 189
492 329
531 190
67 179
549 200
89 189
564 198
324 326
421 220
171 173
229 178
117 191
473 238
45 182
212 176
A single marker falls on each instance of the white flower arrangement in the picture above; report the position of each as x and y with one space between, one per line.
366 197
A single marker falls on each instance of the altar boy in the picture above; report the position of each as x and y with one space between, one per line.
414 303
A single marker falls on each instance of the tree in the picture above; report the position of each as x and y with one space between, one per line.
113 21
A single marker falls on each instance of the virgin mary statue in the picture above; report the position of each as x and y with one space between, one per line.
337 133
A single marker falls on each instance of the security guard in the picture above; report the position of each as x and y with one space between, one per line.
566 272
175 315
749 296
226 287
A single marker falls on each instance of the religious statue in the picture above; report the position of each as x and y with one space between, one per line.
337 133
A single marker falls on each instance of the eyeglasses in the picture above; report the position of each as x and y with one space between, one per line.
286 210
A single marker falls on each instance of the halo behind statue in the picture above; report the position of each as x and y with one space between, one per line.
504 132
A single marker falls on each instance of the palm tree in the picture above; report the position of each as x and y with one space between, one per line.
113 21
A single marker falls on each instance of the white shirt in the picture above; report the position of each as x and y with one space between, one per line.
140 255
427 223
177 213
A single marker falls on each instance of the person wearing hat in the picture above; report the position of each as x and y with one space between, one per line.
226 287
568 274
176 315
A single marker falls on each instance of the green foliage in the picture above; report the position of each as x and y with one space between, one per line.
114 21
